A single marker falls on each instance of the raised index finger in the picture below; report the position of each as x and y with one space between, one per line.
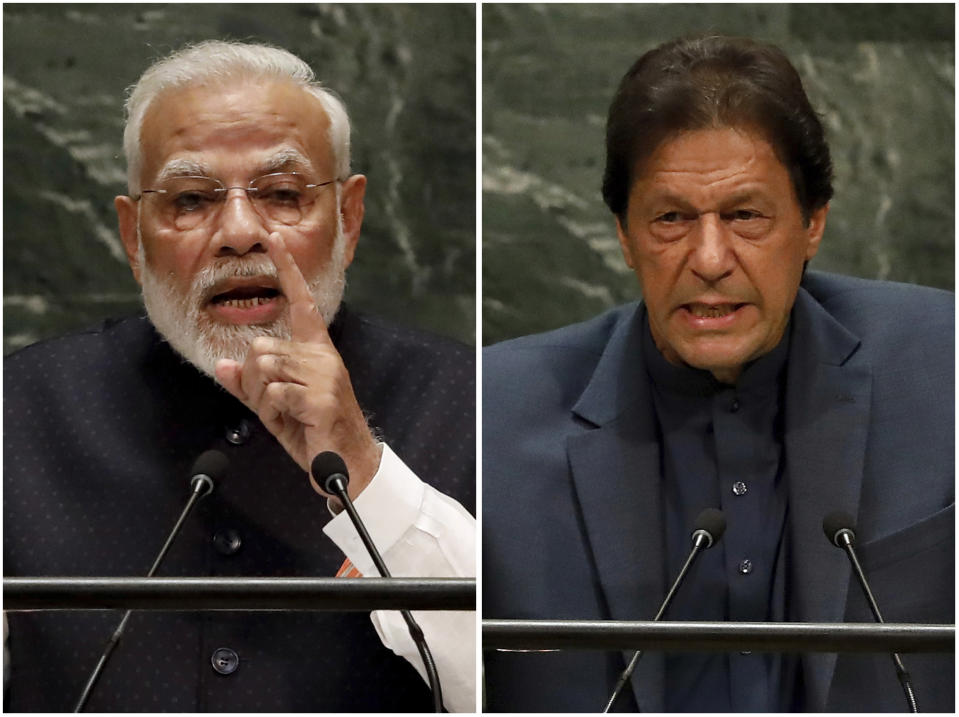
306 322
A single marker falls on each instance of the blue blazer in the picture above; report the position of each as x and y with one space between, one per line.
572 523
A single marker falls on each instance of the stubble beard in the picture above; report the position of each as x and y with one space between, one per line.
192 333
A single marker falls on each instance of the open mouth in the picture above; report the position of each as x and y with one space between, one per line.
245 297
711 311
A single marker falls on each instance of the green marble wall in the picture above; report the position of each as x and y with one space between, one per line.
406 72
883 76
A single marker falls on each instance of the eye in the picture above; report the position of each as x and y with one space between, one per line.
192 200
669 217
281 191
671 226
750 224
281 195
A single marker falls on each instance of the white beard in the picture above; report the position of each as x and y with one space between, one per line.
191 332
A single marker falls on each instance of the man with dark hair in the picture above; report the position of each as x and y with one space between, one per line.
714 82
741 382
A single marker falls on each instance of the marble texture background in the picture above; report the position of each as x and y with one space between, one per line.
406 72
882 75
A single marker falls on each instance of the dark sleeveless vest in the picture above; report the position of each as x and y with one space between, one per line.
100 432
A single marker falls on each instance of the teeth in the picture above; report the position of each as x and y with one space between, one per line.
710 312
246 303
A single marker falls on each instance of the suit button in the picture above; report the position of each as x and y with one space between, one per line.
227 542
739 488
225 661
746 567
734 406
239 434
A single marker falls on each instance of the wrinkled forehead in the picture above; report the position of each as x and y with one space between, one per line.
244 125
648 149
725 146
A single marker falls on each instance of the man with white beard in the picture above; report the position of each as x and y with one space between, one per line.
241 219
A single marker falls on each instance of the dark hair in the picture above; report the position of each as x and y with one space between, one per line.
705 82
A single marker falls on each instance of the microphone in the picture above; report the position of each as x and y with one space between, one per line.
210 467
707 530
839 528
329 470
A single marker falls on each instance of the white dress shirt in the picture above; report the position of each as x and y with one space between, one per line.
420 533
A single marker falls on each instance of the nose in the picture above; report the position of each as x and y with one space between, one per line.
712 257
239 227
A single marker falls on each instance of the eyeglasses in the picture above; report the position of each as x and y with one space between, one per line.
188 202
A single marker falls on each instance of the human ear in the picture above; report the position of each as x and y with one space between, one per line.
814 231
352 210
624 243
127 215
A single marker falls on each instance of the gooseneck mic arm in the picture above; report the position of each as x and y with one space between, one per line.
209 466
709 528
839 529
329 470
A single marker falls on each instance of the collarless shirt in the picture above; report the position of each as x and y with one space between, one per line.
722 447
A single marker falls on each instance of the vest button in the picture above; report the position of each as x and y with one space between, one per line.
239 434
227 542
225 661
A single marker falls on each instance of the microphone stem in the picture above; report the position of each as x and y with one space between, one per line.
679 578
416 632
118 633
904 679
861 576
628 672
361 529
176 529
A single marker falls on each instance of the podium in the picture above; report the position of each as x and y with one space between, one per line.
535 635
348 594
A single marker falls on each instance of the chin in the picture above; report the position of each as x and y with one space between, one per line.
718 360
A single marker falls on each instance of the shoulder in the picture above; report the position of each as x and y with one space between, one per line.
885 312
588 338
378 351
356 328
394 366
559 362
849 295
96 348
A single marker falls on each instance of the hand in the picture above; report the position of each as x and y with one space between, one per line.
300 388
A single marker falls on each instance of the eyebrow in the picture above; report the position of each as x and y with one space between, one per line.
183 168
285 159
751 194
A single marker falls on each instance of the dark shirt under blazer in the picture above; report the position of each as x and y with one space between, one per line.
573 497
101 429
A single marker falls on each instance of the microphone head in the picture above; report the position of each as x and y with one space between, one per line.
837 522
211 463
207 469
712 522
327 466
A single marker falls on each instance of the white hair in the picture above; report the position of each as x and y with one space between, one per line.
216 62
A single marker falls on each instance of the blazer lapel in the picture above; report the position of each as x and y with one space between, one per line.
827 417
615 466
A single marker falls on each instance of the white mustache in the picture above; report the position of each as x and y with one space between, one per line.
210 277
